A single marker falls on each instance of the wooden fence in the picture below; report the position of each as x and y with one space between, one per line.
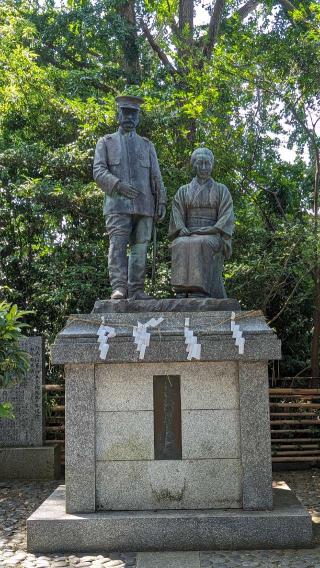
55 412
294 416
295 424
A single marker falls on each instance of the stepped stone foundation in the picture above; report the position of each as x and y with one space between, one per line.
165 453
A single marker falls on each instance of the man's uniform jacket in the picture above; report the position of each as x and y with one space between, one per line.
129 158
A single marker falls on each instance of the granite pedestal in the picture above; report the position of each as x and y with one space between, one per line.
165 453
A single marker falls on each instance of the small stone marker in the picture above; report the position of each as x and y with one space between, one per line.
27 428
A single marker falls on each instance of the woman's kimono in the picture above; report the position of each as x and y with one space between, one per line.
197 260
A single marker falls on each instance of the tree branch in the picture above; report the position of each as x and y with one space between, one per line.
251 5
186 15
214 26
286 4
287 300
246 9
157 49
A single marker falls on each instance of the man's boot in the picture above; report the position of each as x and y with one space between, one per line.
119 294
137 272
118 267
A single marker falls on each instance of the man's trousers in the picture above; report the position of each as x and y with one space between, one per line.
124 230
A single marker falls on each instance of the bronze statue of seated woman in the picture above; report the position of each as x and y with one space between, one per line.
201 227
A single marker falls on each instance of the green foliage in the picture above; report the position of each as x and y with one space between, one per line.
14 363
60 68
6 410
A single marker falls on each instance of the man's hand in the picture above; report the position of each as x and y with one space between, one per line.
184 232
126 190
161 213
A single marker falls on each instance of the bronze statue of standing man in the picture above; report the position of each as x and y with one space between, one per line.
127 170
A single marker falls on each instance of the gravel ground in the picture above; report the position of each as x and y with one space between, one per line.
19 499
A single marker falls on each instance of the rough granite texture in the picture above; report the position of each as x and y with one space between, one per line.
80 439
124 436
225 431
30 463
209 434
27 427
187 484
77 342
211 385
255 436
50 529
121 388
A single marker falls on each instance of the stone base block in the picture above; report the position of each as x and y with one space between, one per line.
50 529
30 463
166 305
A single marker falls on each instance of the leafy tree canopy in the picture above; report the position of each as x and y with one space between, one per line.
241 83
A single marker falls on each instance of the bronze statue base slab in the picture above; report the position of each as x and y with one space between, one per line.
166 305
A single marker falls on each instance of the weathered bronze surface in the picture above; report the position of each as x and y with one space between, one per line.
201 228
166 305
167 417
126 168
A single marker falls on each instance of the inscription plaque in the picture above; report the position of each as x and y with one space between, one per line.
167 417
27 427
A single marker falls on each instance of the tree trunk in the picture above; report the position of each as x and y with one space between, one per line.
130 43
315 343
186 16
186 8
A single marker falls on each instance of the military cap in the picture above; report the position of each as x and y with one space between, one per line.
129 101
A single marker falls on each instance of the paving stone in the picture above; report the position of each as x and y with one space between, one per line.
20 499
168 560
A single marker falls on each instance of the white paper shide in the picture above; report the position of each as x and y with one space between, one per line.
142 336
104 333
237 334
193 347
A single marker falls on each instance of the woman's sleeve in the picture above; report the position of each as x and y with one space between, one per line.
178 214
225 221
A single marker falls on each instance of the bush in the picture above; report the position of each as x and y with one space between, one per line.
14 363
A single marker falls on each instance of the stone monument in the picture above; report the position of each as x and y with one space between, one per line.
165 451
167 409
22 453
127 170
